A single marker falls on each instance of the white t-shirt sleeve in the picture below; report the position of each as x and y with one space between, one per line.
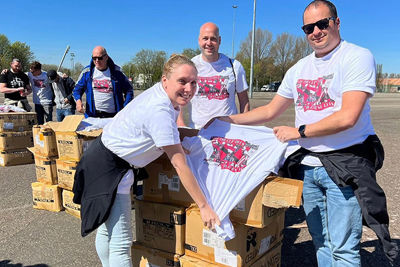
285 89
360 72
162 128
241 83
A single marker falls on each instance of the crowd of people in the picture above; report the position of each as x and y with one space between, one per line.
339 150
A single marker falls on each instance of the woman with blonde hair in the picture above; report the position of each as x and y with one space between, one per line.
137 135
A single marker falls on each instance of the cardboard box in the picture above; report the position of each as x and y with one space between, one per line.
164 185
66 173
249 244
270 259
15 157
17 121
46 171
15 140
44 139
282 192
46 197
252 212
71 143
160 226
145 257
69 205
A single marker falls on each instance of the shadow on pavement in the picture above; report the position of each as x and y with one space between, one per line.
303 253
6 263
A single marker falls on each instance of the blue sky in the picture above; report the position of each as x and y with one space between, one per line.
125 27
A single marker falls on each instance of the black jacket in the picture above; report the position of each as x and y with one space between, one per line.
69 86
356 166
95 185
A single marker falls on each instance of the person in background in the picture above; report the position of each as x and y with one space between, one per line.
220 79
62 87
15 86
107 88
137 135
42 93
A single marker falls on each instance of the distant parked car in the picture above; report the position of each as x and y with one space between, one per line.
273 87
264 88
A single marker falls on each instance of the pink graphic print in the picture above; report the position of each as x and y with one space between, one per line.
214 87
231 154
313 94
39 83
103 86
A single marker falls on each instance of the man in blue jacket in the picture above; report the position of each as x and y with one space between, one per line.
107 89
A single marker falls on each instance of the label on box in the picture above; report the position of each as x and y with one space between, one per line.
264 245
212 239
241 206
173 183
1 161
38 141
224 256
8 125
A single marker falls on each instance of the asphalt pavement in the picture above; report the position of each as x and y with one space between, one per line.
30 237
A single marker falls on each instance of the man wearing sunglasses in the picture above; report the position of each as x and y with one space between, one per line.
107 89
338 153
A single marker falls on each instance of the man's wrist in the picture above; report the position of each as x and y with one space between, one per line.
302 130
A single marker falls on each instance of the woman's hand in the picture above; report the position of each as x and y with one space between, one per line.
209 217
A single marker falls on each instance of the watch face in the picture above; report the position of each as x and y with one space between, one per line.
302 128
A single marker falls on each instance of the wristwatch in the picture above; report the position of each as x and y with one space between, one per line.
302 128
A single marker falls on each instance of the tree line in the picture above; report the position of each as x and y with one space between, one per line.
272 58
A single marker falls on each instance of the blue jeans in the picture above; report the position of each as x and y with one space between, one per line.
333 217
44 113
62 113
114 237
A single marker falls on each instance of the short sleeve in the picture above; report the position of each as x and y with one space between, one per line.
359 72
162 128
286 88
3 78
240 77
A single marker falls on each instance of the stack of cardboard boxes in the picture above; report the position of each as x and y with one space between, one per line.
167 211
58 147
15 137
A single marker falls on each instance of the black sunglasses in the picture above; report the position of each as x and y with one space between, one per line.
98 58
321 24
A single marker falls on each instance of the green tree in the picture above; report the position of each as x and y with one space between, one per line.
190 52
9 50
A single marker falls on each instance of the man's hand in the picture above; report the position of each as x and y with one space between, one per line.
66 101
79 106
286 133
209 217
4 71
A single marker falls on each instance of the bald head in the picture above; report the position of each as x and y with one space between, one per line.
99 50
209 41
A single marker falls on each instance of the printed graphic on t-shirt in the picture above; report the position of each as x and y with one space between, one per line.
231 154
103 86
39 83
313 94
17 82
214 87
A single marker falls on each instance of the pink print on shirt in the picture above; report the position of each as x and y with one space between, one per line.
231 154
39 83
214 87
313 94
103 86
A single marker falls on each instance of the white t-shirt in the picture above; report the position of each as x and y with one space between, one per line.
229 161
41 91
215 94
317 85
103 91
139 131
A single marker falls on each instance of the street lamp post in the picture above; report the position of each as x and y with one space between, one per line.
252 50
233 30
72 54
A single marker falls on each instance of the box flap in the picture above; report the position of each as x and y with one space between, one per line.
69 124
282 192
32 149
93 133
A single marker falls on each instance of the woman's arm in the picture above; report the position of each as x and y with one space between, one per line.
178 160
